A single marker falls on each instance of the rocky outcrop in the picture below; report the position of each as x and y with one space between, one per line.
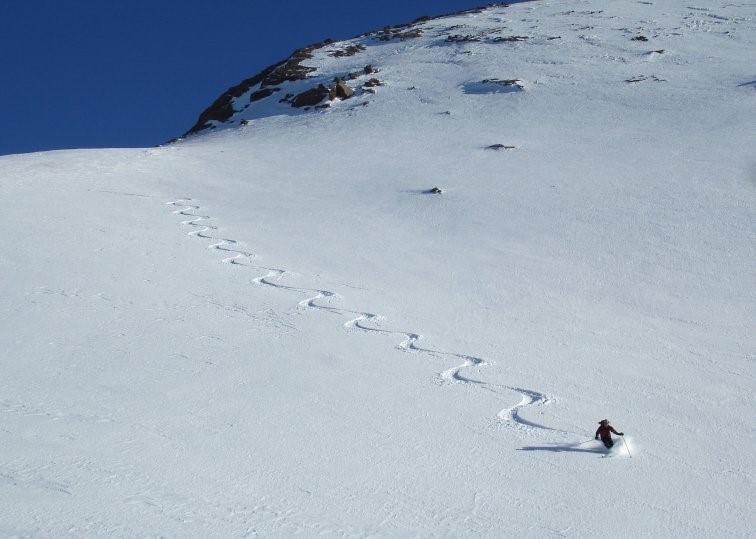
510 39
311 97
292 69
273 79
262 94
351 50
221 109
516 83
401 33
340 90
456 38
288 70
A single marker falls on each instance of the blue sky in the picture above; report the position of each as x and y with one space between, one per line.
100 73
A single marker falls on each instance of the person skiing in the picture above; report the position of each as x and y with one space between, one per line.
604 432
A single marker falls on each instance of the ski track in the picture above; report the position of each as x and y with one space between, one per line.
358 320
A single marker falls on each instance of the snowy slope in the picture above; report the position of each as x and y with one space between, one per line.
273 330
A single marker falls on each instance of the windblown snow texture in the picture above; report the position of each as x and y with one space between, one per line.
387 287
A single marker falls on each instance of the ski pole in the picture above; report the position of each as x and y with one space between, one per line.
626 447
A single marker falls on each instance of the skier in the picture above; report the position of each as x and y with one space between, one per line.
604 432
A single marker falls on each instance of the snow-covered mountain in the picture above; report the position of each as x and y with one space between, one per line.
275 327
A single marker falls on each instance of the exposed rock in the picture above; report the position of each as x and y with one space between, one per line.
274 75
401 33
462 39
503 82
493 86
221 109
340 90
269 80
351 50
434 191
641 78
262 94
500 147
292 69
367 70
639 38
343 91
311 97
509 39
372 83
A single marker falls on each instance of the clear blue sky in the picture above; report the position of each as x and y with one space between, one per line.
101 73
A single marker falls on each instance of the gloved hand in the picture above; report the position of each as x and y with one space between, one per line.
622 433
596 438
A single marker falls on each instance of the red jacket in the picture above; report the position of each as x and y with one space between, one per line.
604 430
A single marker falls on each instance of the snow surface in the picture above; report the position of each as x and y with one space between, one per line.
274 331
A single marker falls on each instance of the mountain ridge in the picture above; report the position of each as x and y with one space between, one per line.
291 69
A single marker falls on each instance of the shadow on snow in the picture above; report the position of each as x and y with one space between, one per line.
571 448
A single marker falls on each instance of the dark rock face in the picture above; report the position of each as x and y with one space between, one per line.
311 97
340 90
221 109
262 94
367 70
641 78
292 69
503 82
510 39
401 33
275 75
270 79
462 39
493 86
351 50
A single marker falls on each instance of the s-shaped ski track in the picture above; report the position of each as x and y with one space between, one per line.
359 320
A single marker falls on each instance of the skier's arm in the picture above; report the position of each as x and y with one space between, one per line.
615 432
